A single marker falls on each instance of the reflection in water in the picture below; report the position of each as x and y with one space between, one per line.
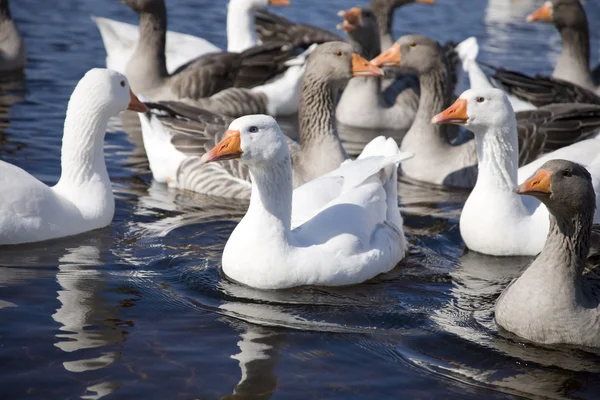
11 92
258 356
88 316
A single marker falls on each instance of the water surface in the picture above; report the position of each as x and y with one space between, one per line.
141 310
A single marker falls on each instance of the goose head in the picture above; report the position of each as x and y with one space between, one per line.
479 110
414 54
337 63
564 13
106 91
563 186
253 139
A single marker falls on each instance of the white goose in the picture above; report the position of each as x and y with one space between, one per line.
120 38
494 219
354 237
82 200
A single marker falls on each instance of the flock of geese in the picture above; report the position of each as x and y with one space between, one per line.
316 216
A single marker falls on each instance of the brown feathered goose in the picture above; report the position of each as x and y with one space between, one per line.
12 46
555 301
177 135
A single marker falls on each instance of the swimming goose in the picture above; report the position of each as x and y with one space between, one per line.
494 219
120 38
436 160
555 301
384 11
12 46
202 77
365 102
82 200
570 20
176 135
356 236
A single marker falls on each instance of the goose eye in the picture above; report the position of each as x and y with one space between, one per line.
338 53
413 44
567 173
122 83
253 129
480 99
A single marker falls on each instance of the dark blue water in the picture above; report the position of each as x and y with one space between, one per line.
140 310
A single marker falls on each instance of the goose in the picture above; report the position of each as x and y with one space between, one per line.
439 162
202 77
516 226
176 135
354 237
12 46
555 301
120 38
82 200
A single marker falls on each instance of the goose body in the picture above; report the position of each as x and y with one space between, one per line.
82 200
177 135
494 219
555 301
355 236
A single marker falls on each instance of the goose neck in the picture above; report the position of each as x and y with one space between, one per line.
270 207
434 99
149 56
567 246
241 31
82 155
575 52
385 19
367 44
497 156
316 111
4 10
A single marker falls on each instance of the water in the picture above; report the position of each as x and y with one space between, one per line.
141 309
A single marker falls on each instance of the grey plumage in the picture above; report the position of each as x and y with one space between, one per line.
555 300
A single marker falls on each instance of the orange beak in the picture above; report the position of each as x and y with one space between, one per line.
279 2
544 13
455 114
430 2
351 19
135 104
227 149
536 186
361 67
389 58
